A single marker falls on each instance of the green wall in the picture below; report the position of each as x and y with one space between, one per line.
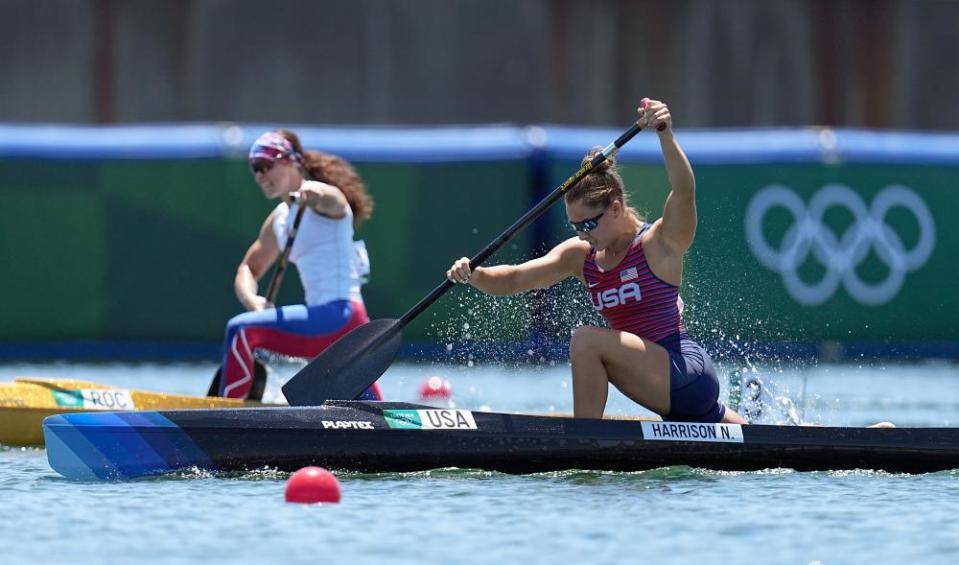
144 247
147 250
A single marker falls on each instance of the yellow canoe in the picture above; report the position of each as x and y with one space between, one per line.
26 401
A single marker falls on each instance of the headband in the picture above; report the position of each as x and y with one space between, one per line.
271 146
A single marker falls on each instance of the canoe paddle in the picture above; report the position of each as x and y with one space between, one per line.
274 287
355 361
259 371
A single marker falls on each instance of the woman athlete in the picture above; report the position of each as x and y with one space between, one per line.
632 270
331 265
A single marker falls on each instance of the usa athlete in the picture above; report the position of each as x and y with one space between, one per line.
632 270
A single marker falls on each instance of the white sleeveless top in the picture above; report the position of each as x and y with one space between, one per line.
331 265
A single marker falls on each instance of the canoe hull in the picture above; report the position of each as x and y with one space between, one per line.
397 437
26 401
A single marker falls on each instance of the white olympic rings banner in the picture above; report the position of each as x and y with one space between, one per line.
840 254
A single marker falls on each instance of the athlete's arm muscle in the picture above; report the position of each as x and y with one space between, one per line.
563 261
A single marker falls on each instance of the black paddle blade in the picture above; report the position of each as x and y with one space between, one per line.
348 367
256 389
215 383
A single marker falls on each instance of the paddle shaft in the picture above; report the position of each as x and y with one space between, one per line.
274 287
521 223
356 360
270 296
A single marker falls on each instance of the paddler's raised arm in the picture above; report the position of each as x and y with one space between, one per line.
563 261
677 229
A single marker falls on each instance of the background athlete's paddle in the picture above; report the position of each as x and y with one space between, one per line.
274 287
259 371
356 360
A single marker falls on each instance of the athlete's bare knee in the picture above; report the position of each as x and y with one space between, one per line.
584 342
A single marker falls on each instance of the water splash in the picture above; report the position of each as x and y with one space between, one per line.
739 340
532 328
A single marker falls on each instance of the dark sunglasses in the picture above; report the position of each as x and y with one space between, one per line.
589 224
261 166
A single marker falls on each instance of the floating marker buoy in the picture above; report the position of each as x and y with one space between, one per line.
310 485
436 388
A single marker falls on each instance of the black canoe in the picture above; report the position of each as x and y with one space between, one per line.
398 437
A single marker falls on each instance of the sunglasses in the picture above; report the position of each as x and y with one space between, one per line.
589 224
261 165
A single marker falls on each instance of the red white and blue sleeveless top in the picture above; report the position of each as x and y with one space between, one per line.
633 299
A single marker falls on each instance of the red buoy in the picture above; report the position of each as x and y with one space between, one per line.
436 388
310 485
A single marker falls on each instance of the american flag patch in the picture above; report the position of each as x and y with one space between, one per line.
628 274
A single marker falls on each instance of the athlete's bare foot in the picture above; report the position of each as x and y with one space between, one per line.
883 425
732 417
876 425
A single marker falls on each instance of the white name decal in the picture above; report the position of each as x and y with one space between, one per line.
95 399
347 425
688 431
447 420
407 419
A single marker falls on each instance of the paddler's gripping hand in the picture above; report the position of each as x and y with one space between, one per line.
256 303
322 197
655 114
460 271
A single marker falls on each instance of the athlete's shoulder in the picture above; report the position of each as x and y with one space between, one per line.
651 236
280 209
277 214
649 230
573 247
575 243
569 255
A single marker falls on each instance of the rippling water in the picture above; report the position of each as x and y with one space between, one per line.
674 515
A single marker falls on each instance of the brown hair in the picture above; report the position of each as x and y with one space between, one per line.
335 171
601 186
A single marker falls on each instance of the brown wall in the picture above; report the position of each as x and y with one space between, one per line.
872 63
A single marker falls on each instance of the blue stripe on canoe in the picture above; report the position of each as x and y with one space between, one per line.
129 455
71 454
109 445
168 440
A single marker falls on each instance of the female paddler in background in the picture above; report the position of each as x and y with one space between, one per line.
331 265
632 270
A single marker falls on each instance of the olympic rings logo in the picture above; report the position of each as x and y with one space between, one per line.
840 254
